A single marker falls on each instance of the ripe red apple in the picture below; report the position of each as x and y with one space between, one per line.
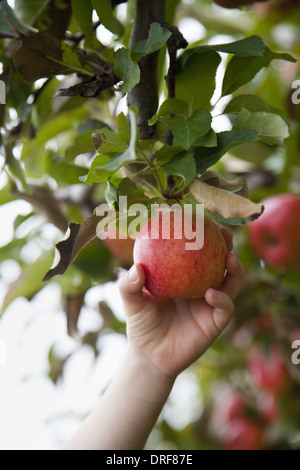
173 271
236 3
275 235
231 405
267 370
267 405
243 434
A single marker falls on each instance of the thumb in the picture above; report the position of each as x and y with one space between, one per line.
131 289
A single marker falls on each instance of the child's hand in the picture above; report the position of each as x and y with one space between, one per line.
165 337
171 334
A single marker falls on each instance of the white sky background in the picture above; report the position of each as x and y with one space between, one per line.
34 413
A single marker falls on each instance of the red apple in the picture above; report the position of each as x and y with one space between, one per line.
275 235
267 404
173 271
231 405
243 434
267 370
236 3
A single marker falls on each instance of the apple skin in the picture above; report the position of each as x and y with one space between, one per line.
235 3
230 406
243 434
267 370
268 406
171 270
275 235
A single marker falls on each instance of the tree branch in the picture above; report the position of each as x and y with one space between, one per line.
145 95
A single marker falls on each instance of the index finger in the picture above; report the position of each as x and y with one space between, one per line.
234 277
227 234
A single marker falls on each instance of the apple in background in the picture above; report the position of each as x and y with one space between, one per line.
171 270
275 235
231 405
120 248
267 370
243 434
268 406
236 3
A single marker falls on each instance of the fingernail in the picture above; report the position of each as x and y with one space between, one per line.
132 274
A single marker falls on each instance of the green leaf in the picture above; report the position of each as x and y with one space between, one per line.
251 102
95 261
123 127
186 131
195 79
157 38
122 159
15 168
71 60
130 154
242 70
6 194
97 173
111 193
166 153
272 129
207 140
182 165
126 69
83 12
12 250
28 11
83 143
106 16
170 106
9 18
112 142
65 172
29 282
129 189
247 47
206 156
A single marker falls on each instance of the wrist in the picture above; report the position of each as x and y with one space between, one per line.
144 369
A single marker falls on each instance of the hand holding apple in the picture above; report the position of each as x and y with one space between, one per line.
172 333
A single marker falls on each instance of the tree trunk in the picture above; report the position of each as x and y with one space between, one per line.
145 95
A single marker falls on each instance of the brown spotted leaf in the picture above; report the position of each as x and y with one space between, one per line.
237 186
34 57
227 204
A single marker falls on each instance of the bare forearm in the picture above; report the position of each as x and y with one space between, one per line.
127 411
